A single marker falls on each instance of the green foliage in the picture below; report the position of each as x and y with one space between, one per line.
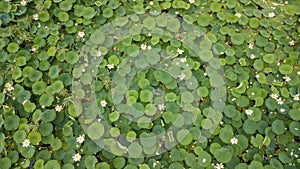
157 84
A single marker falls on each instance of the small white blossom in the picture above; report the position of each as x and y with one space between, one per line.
298 73
143 46
271 14
33 49
292 43
26 143
183 60
103 103
252 56
257 75
161 107
23 3
296 97
81 34
149 47
76 157
58 108
204 160
9 87
234 140
181 76
278 63
99 53
179 51
80 139
151 3
110 66
35 17
191 1
238 15
282 110
274 96
251 45
176 12
219 166
287 79
279 101
249 112
154 164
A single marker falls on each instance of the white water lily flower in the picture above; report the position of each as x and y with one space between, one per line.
110 66
191 1
9 87
274 96
26 143
296 97
161 107
99 53
183 60
279 101
252 56
181 76
238 15
292 43
219 166
287 78
271 14
23 3
250 45
35 17
80 139
76 157
103 103
234 140
81 34
143 46
179 51
58 108
249 112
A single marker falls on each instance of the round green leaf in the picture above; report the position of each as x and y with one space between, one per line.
285 69
95 131
44 16
278 127
223 155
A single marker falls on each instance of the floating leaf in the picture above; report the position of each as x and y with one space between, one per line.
95 131
223 155
278 127
285 69
46 100
44 16
12 47
34 137
11 122
237 39
226 134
